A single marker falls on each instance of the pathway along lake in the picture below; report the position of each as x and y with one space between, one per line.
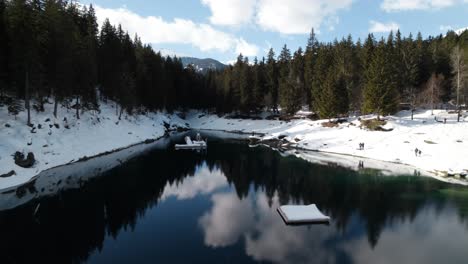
170 206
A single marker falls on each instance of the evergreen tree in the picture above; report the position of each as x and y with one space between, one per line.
246 89
4 50
380 94
25 55
309 61
286 79
272 81
259 83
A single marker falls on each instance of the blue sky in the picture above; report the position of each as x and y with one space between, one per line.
221 29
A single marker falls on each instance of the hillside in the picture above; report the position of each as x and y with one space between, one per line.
203 65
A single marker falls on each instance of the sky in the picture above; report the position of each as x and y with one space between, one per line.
221 29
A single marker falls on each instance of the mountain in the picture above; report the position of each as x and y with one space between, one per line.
203 65
461 31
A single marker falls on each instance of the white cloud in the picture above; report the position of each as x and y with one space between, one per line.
246 48
230 12
296 16
156 30
404 5
286 17
379 27
445 28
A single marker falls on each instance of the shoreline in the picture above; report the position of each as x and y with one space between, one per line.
445 163
74 175
79 160
66 140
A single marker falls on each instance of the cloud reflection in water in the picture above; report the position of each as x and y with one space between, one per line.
254 222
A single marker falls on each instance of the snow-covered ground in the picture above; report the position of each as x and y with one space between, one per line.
93 134
444 146
56 142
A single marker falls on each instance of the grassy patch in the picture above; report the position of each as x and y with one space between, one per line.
373 124
330 124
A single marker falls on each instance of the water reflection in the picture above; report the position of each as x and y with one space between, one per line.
204 181
180 207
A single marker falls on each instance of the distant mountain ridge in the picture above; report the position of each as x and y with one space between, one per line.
203 65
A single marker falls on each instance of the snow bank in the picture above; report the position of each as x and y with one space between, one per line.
73 176
444 146
66 139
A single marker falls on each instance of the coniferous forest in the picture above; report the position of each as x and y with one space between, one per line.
53 52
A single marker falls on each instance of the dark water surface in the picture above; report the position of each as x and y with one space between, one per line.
172 206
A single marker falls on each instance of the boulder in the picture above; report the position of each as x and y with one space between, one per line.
11 173
27 162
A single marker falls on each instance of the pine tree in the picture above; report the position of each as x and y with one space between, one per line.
309 61
4 50
331 95
272 81
259 83
286 85
380 94
246 88
24 57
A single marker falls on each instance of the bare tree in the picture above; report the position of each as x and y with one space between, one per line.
460 72
430 96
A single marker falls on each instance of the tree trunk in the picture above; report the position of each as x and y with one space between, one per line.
432 96
26 93
458 86
77 107
121 112
55 107
412 113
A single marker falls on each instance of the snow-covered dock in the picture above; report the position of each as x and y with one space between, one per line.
302 214
195 144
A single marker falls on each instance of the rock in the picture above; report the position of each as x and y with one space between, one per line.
11 173
22 162
67 126
7 125
47 120
182 129
167 125
281 136
57 126
33 131
39 126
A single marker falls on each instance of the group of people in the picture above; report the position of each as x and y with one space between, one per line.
361 146
417 152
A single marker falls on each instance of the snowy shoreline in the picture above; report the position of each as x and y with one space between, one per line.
444 145
58 142
66 140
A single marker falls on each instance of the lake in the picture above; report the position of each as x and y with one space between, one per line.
219 206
